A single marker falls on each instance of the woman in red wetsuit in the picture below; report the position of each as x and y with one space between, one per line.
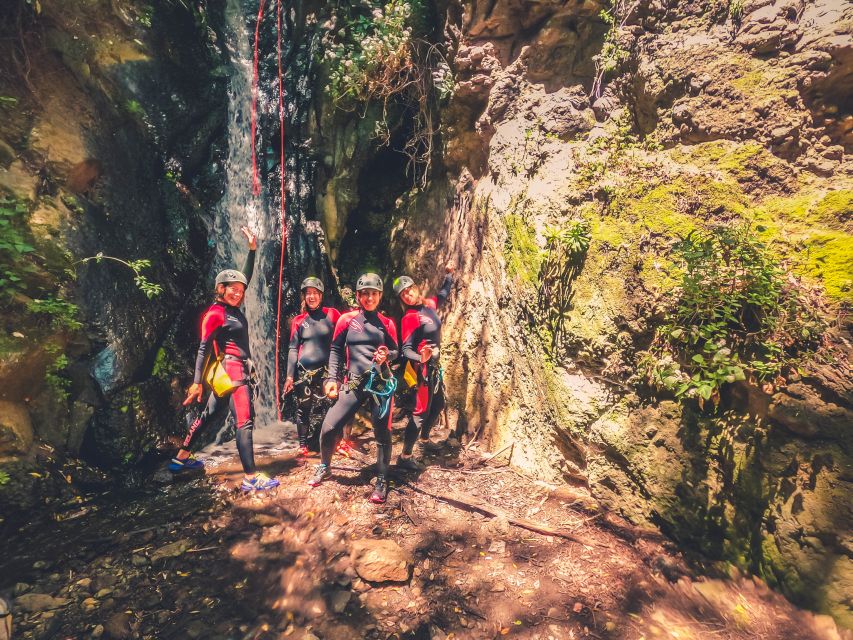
420 331
363 346
225 330
310 343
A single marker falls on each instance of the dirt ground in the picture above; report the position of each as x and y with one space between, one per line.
195 558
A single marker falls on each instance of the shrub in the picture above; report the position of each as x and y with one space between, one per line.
736 315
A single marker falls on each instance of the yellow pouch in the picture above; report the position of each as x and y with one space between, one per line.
217 378
410 375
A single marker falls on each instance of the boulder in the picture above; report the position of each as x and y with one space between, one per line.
38 602
16 429
381 561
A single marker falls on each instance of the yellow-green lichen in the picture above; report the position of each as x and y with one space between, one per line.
521 251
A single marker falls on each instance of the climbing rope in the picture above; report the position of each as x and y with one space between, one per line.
283 217
382 396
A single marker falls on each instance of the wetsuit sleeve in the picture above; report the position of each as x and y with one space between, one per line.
337 354
409 328
213 319
391 339
441 295
249 265
293 349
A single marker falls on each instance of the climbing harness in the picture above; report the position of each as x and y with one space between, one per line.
383 395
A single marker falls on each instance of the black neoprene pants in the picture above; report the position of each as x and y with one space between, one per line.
342 413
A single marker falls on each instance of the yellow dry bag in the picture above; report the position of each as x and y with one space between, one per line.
217 378
410 375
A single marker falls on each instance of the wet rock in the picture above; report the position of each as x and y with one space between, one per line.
90 604
21 588
138 560
381 560
119 626
98 631
171 550
16 429
38 602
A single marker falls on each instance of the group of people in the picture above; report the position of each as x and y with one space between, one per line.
354 359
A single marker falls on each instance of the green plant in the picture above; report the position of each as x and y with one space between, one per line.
63 314
134 108
736 315
13 244
57 382
736 12
8 100
4 478
373 55
612 53
565 253
150 289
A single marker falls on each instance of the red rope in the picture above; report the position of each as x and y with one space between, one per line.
256 183
283 218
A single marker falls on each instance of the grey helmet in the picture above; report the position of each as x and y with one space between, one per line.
368 281
402 283
311 281
231 275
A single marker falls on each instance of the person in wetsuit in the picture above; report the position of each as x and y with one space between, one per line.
420 331
225 332
364 344
310 343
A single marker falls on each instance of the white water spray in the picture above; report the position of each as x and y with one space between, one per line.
239 208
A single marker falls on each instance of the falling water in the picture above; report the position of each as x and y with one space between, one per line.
239 207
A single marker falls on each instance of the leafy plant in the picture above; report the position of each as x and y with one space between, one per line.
565 254
4 478
63 314
373 55
57 382
612 53
13 244
737 315
150 289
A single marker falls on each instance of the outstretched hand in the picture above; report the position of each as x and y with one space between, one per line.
250 237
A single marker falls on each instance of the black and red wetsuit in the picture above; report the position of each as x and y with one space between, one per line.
419 327
224 329
358 334
310 344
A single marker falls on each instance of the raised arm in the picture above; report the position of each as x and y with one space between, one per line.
249 265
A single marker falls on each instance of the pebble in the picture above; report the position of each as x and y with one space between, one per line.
138 560
103 593
98 631
84 583
21 588
40 564
90 604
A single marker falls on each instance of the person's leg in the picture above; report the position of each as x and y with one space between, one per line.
436 405
244 420
213 410
382 434
304 405
333 425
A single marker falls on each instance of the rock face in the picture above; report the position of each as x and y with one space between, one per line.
16 430
380 561
705 119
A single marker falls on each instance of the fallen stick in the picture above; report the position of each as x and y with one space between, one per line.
471 504
511 445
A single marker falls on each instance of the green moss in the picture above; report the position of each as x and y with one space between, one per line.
521 251
835 207
829 257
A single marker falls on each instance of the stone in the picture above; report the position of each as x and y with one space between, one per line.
90 604
339 600
119 626
98 631
38 602
7 154
171 550
138 560
381 560
16 428
21 588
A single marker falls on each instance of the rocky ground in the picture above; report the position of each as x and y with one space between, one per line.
470 549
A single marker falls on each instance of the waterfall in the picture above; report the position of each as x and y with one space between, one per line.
239 207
